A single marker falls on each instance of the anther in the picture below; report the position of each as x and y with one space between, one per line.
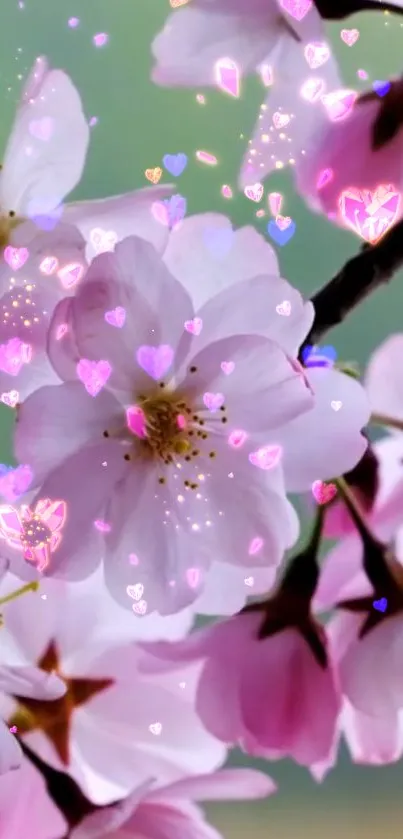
161 480
126 457
224 419
212 454
192 369
106 434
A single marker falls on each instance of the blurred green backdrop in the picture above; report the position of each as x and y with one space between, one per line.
137 124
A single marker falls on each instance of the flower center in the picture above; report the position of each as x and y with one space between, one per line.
35 534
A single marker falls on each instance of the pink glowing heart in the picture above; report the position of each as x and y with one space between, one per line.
339 104
102 526
349 36
193 577
42 129
93 374
296 8
194 326
324 178
100 39
13 355
275 200
16 257
254 192
70 274
227 367
103 240
213 401
237 438
283 222
49 265
116 317
312 89
323 493
284 308
267 457
61 331
316 54
370 214
280 120
255 546
155 361
227 76
133 559
11 398
136 421
226 191
140 608
135 591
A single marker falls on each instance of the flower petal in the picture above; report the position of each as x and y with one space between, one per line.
384 379
54 422
223 785
54 128
207 256
30 681
193 39
123 215
332 439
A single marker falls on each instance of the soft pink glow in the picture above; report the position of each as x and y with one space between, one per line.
34 532
227 76
136 421
13 355
370 214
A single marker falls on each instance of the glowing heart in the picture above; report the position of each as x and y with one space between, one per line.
255 546
175 164
194 326
93 374
323 493
370 214
267 457
296 8
254 192
103 240
249 581
116 317
155 728
237 438
336 404
213 401
16 257
176 3
283 222
71 274
42 129
281 236
316 54
284 308
280 120
49 265
153 175
135 591
380 605
312 89
155 360
140 608
227 367
339 104
11 398
193 577
349 36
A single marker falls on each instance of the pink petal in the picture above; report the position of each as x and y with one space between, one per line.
10 524
282 685
384 378
192 41
59 159
372 740
56 421
223 785
124 215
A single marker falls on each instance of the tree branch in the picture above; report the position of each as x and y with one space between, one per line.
362 275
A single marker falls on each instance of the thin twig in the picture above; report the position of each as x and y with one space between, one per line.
362 275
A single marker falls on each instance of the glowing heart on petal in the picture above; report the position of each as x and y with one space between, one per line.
116 317
296 8
93 374
11 398
349 36
194 326
280 120
323 493
370 214
16 257
267 457
339 104
155 728
284 308
135 591
213 401
140 608
155 360
227 367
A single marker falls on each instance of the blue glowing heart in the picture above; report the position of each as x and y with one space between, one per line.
381 88
281 237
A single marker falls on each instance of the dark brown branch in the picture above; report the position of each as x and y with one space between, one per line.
362 275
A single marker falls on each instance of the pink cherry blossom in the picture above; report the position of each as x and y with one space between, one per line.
106 768
170 811
266 395
34 532
261 694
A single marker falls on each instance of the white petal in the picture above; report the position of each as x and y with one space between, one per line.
39 171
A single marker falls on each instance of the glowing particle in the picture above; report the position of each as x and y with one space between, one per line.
71 274
227 76
255 546
206 157
155 728
100 39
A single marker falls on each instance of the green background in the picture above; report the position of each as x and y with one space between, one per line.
137 124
